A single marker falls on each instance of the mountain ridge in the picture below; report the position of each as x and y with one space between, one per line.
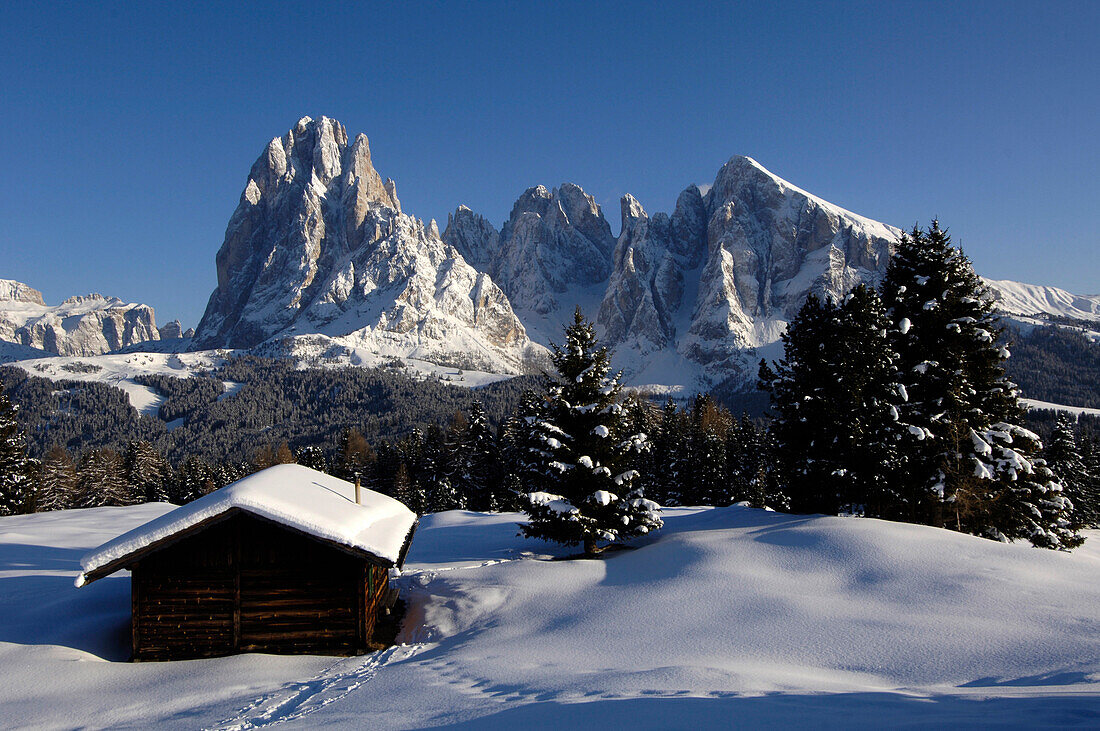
319 261
82 325
318 245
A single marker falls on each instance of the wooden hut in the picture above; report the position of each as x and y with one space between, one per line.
287 560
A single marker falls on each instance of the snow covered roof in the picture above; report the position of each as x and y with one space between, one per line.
298 497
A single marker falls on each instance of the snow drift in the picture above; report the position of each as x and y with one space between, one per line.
727 615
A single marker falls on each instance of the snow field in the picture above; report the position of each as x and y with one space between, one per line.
119 370
1048 406
728 615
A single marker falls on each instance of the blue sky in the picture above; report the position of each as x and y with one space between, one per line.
130 128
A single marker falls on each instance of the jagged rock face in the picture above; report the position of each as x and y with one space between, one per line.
80 326
647 284
769 245
554 240
171 331
13 291
752 249
302 209
426 286
473 237
697 290
318 244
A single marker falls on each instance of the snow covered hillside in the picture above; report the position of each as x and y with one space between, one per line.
120 370
728 615
1033 300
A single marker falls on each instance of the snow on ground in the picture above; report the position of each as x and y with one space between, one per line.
232 388
371 349
120 369
1032 299
1047 405
13 351
727 616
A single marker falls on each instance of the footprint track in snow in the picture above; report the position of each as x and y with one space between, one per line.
297 699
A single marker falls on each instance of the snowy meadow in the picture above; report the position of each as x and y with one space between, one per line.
726 616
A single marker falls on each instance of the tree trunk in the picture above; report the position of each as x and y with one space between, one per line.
591 550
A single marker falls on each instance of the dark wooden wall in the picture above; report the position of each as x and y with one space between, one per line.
245 584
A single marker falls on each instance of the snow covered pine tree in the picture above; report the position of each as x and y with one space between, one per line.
1065 461
16 483
835 393
586 445
974 470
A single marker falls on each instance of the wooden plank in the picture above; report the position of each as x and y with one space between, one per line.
237 589
361 607
135 611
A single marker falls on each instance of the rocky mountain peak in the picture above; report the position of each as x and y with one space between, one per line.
80 326
171 331
699 290
631 211
309 200
554 242
319 245
93 298
473 237
13 291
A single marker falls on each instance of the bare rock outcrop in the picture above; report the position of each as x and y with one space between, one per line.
319 245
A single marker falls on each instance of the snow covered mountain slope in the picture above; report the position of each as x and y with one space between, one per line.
729 613
553 253
87 325
121 369
319 261
1033 300
319 244
683 298
11 352
768 245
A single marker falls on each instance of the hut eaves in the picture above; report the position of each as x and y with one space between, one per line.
298 497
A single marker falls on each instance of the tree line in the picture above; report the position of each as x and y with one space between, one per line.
890 403
894 403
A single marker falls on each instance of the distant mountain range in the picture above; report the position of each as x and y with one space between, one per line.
80 326
320 260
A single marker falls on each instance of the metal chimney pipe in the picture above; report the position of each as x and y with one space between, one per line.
357 487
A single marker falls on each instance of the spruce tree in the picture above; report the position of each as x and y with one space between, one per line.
803 416
473 462
1090 458
585 437
16 470
102 480
524 447
314 457
194 479
874 442
752 468
354 454
706 475
835 393
638 418
481 461
407 491
671 459
1065 461
56 480
146 472
444 496
973 469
